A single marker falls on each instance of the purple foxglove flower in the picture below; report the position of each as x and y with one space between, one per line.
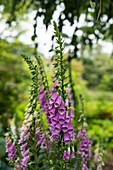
11 147
44 144
71 112
70 127
55 119
21 140
41 88
72 136
42 100
61 109
73 154
64 156
52 127
37 131
25 159
58 101
52 92
42 95
85 167
50 106
55 83
53 98
65 127
82 133
57 128
67 118
55 136
67 90
62 119
25 153
53 79
52 88
39 142
52 112
46 106
68 154
24 146
27 135
67 103
53 76
66 138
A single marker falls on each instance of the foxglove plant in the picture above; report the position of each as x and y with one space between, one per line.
55 145
85 143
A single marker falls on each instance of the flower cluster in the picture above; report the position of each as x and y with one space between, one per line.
25 134
84 147
24 137
10 147
58 117
68 154
26 158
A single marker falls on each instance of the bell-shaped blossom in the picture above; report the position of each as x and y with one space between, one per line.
66 155
10 148
53 97
73 154
61 109
62 119
67 118
65 127
66 138
84 147
67 90
52 112
58 101
57 128
67 103
55 119
70 128
71 112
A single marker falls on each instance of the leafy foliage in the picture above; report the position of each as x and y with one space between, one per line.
71 12
12 74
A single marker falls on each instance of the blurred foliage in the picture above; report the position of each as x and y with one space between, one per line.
99 72
15 79
71 11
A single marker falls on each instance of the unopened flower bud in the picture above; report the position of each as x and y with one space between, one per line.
34 101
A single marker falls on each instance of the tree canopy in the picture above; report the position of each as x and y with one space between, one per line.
98 21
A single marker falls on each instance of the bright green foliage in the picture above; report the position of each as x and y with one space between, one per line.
14 77
101 72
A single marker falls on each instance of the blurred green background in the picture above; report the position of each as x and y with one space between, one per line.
92 69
